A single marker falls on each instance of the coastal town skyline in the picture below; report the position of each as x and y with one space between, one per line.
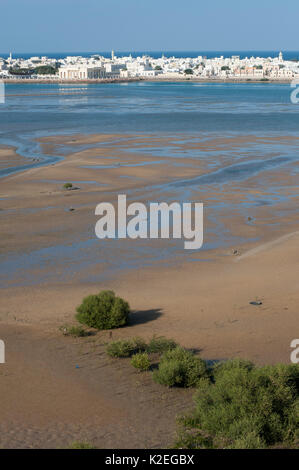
144 66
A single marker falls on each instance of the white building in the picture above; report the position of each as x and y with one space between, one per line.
81 72
113 70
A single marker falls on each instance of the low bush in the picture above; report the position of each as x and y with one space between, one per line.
80 445
244 406
67 185
160 344
141 361
179 367
75 331
103 311
126 347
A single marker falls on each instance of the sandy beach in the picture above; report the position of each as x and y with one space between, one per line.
202 299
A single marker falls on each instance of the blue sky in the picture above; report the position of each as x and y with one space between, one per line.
125 25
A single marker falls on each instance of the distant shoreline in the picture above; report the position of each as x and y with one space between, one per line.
143 79
66 82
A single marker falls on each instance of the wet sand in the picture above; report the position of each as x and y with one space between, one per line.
10 158
200 299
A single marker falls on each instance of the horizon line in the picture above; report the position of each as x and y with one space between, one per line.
151 50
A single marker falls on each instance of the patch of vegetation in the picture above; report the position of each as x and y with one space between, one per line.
243 406
75 331
141 361
103 311
160 344
126 347
20 71
45 70
129 347
264 80
179 367
80 445
68 185
188 72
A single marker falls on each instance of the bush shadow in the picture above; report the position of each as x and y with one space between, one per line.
139 317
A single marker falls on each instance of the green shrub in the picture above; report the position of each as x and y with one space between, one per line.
179 367
126 347
80 445
76 331
170 373
161 344
45 70
68 185
103 311
244 406
141 361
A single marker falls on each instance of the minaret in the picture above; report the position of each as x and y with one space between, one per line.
112 54
10 56
280 57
